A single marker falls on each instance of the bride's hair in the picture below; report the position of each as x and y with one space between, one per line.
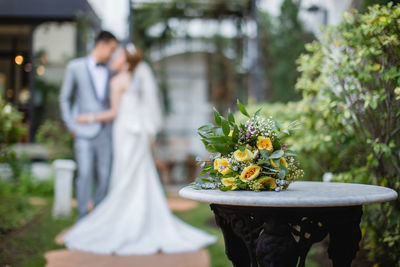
134 58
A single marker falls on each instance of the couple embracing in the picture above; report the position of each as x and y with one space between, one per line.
114 121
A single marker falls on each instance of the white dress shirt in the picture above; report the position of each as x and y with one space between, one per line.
99 77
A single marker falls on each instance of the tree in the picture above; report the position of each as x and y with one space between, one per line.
283 41
351 80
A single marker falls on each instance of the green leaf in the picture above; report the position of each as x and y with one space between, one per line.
235 134
261 162
206 169
242 148
225 188
242 186
273 170
277 154
217 117
242 109
277 125
289 153
284 168
223 149
206 127
373 104
198 180
203 136
231 118
265 154
211 149
276 144
258 112
281 174
213 176
218 131
225 127
217 139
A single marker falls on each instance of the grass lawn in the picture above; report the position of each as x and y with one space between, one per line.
26 245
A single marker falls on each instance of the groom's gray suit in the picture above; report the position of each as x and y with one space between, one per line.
93 146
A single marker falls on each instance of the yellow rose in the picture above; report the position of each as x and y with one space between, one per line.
281 161
265 180
239 156
264 143
229 182
222 165
249 173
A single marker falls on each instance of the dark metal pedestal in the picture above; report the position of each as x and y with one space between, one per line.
282 237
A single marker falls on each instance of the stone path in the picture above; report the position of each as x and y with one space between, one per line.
67 258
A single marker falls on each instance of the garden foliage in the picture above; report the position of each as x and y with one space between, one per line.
350 82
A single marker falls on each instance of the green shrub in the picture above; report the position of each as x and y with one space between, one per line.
350 82
11 127
53 134
28 185
15 211
11 130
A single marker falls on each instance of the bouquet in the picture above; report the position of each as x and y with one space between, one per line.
250 156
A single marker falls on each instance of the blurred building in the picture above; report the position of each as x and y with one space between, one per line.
182 46
37 37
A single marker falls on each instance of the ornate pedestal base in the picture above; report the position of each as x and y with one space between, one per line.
258 236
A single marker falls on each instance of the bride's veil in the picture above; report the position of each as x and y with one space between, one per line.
150 103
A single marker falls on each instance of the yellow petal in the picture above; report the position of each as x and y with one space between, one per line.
281 161
222 162
264 143
250 173
229 182
239 156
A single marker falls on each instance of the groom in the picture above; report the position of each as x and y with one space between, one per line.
85 90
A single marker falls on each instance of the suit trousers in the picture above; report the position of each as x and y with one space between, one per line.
94 158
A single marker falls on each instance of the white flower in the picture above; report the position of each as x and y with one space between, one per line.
7 109
208 186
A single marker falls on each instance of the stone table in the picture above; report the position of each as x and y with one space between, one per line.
271 228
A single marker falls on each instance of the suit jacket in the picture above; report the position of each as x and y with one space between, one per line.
78 96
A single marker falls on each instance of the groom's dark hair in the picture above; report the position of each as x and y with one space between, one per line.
105 36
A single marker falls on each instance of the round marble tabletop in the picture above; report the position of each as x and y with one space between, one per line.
299 194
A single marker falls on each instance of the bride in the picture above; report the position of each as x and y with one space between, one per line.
134 218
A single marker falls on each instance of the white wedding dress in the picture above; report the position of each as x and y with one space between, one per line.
135 218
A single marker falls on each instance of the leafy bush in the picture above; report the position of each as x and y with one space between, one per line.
15 212
53 134
350 82
11 129
25 184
